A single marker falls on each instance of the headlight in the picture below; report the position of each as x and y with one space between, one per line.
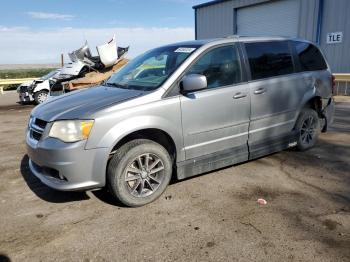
71 130
30 121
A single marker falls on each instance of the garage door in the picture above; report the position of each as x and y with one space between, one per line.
270 19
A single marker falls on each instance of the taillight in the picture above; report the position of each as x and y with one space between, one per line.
333 84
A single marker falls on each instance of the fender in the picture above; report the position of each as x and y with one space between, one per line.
310 94
327 106
42 86
131 125
138 123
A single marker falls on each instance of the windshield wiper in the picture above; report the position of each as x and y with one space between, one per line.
116 85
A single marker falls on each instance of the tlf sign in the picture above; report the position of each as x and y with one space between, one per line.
334 38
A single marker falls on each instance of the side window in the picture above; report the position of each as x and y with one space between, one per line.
221 67
268 59
310 58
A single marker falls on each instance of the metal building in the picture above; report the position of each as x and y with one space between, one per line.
326 22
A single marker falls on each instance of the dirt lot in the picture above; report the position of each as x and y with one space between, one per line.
213 217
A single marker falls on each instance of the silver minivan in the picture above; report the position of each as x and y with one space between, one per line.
182 110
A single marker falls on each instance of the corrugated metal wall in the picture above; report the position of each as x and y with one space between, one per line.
256 19
336 18
218 20
308 19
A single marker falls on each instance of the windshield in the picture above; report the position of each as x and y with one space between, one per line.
150 70
49 75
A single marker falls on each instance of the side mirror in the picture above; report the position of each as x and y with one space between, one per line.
194 82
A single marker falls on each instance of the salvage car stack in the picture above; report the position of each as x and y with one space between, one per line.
83 71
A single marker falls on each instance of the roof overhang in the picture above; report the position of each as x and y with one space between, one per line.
209 3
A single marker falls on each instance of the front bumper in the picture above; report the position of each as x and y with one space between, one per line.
67 166
25 97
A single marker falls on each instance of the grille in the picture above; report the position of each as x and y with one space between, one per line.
36 135
37 128
23 89
40 123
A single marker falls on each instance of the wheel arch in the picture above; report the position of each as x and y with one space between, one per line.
154 134
315 103
41 86
312 100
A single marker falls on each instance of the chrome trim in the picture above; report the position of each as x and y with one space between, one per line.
37 128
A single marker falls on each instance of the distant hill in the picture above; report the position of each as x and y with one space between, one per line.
27 66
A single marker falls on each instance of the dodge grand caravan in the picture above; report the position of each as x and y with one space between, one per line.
182 110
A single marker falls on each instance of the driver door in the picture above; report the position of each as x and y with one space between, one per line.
215 121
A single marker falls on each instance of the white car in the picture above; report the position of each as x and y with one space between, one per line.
36 90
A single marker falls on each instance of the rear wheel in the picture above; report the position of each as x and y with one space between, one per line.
40 96
308 127
139 172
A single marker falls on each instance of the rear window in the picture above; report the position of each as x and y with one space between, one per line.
268 59
310 57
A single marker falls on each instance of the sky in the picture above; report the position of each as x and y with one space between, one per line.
38 31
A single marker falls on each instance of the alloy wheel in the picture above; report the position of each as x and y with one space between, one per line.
42 97
308 130
144 175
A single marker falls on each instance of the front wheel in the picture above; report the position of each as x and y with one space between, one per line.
139 172
308 128
40 96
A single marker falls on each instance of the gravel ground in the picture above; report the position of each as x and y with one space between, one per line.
213 217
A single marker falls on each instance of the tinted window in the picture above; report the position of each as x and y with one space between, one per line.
310 57
268 59
220 66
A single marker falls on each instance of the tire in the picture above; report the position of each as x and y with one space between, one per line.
40 96
130 179
308 128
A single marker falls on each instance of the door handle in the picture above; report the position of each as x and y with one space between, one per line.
260 91
239 95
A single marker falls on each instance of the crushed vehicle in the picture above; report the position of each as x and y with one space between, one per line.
37 90
181 110
86 70
82 63
92 78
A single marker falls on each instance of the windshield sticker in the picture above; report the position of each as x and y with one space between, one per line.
184 50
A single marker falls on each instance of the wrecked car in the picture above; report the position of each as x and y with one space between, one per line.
37 90
83 62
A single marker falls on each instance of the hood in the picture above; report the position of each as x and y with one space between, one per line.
82 104
27 83
72 69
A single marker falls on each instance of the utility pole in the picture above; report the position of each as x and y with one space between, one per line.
62 60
